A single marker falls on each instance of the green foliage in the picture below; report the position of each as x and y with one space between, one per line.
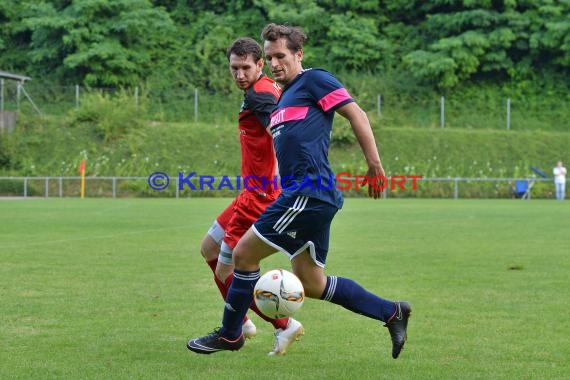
489 39
463 153
4 155
311 17
365 48
342 135
4 17
98 42
109 116
166 44
552 38
474 53
12 38
213 149
203 52
437 67
11 188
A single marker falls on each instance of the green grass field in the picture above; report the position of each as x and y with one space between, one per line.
102 288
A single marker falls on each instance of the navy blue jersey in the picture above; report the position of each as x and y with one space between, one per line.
301 126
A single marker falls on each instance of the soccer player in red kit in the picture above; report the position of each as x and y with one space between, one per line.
258 169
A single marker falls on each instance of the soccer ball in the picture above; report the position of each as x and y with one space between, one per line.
278 294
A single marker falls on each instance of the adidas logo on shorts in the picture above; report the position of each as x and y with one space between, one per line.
293 234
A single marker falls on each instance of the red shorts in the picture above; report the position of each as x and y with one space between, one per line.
241 214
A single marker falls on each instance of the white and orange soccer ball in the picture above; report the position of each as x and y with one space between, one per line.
278 293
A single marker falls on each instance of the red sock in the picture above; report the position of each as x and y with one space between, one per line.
221 286
213 264
280 323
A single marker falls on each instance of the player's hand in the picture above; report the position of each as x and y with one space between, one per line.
376 181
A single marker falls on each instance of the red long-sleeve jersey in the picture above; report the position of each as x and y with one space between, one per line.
258 160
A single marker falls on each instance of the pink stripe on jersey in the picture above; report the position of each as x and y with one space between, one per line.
287 114
332 99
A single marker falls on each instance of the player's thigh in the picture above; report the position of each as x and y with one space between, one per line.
247 208
210 246
250 250
294 223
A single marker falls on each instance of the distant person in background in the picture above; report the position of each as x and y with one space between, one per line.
560 180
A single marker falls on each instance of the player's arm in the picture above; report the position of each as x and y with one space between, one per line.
263 104
363 132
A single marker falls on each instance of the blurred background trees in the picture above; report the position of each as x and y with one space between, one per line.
441 44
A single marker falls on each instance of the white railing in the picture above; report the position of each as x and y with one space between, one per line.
117 186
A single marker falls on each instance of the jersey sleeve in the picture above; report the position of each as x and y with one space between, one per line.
262 104
327 91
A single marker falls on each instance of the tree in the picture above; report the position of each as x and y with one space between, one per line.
483 37
12 39
98 42
355 42
550 37
182 43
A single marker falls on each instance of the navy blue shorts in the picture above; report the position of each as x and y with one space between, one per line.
294 223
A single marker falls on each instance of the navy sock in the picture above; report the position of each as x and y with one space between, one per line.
240 296
351 296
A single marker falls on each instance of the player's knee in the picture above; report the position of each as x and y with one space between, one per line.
314 286
312 290
240 259
206 253
244 261
209 249
312 276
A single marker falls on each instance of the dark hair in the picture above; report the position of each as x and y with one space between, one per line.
243 47
294 35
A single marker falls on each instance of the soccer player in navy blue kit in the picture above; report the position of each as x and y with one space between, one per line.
298 223
257 161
